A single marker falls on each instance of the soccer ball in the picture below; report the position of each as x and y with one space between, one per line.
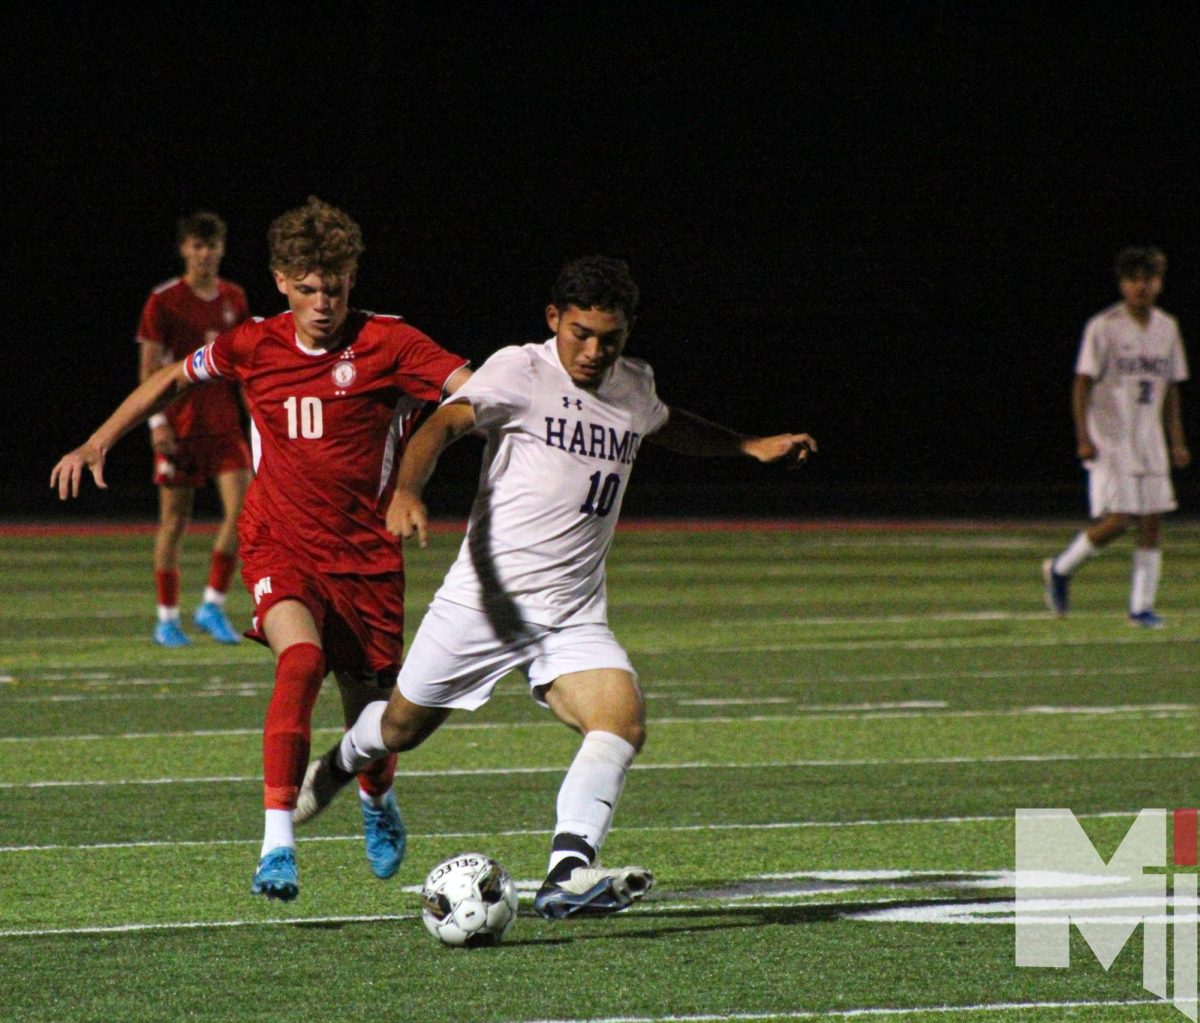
468 900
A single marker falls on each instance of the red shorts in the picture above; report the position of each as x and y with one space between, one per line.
360 617
200 459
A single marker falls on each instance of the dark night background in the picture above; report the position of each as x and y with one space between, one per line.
883 224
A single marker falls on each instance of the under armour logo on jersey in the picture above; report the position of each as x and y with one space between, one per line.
568 402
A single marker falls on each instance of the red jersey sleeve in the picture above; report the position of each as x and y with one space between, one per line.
422 365
228 357
150 325
241 307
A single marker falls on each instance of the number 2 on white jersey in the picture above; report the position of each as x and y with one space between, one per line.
306 418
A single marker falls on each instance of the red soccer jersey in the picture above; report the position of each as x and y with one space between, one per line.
329 429
181 321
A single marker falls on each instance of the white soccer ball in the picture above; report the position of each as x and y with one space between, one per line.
468 900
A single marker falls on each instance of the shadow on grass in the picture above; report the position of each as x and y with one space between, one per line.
702 919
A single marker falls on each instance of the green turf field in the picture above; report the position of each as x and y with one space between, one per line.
842 723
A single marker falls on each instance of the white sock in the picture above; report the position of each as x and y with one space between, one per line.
212 596
277 831
370 800
167 614
589 792
364 741
1147 564
1077 552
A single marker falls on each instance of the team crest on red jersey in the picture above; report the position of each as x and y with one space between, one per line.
228 314
344 374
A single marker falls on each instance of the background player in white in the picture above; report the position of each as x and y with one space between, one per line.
1126 389
563 421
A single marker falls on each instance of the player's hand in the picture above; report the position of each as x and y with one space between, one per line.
162 440
407 515
1086 451
1181 457
69 470
791 448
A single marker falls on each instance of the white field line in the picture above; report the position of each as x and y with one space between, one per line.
904 822
937 616
694 765
69 616
838 712
104 679
933 616
932 643
247 691
217 687
191 925
69 670
799 622
209 691
212 689
937 676
864 1013
815 708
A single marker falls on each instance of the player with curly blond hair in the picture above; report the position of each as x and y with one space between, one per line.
333 393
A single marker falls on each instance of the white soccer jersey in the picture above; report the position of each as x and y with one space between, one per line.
1132 367
557 461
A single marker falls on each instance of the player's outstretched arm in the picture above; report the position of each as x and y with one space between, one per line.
406 513
688 434
151 358
152 395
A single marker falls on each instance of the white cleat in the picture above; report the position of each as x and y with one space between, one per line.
591 890
322 781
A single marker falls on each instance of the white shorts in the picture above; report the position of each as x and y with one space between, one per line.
1112 492
456 659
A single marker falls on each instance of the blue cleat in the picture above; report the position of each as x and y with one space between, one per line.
211 618
384 836
592 890
169 634
1058 589
1146 620
276 875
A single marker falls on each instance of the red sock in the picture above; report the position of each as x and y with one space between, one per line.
376 777
166 587
221 570
287 731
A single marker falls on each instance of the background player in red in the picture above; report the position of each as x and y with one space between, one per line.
332 393
199 438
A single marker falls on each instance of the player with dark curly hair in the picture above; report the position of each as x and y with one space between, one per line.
564 421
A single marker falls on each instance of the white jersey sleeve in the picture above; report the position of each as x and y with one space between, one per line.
498 392
555 469
1092 350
